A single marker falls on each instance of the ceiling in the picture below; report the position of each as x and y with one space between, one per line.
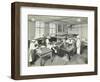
58 19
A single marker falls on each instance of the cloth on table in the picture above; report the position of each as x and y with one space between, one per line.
43 51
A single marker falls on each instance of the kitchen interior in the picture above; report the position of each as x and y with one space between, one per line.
59 27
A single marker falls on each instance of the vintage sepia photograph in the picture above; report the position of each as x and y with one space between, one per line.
57 40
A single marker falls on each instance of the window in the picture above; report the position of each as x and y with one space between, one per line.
52 28
39 25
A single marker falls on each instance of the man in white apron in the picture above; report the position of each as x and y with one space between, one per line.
33 47
78 45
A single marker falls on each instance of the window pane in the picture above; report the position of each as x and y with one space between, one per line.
37 32
37 23
41 32
39 29
52 28
42 24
